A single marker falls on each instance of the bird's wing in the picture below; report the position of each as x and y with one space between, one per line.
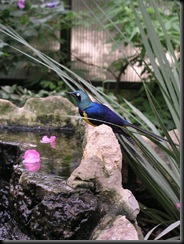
100 114
97 114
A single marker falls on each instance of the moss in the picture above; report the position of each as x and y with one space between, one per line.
109 195
6 107
52 111
48 105
53 120
139 231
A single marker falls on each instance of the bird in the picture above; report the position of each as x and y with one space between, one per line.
95 114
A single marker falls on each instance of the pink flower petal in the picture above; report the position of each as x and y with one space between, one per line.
51 140
21 4
45 139
31 156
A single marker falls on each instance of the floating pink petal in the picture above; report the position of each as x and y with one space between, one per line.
31 156
51 140
31 160
45 139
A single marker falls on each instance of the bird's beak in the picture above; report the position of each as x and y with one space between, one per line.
70 93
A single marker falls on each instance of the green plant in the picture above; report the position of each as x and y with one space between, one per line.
19 95
161 178
118 19
41 26
144 107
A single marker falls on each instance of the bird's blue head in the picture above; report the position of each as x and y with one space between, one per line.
82 98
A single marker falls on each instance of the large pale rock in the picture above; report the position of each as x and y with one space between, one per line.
103 143
100 170
175 136
52 111
119 228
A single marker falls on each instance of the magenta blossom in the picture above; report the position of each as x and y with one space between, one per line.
31 160
51 140
31 156
178 205
21 4
52 4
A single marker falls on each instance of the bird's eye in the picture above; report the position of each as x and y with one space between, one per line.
78 94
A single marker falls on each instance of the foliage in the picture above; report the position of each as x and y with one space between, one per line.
41 26
19 95
161 177
115 18
120 14
139 102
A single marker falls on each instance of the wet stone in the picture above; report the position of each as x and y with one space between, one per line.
9 155
47 209
85 203
40 206
8 227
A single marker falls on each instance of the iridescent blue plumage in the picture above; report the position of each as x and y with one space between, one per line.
96 114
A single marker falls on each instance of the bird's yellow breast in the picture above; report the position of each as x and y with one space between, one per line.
86 118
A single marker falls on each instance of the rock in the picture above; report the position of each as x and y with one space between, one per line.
176 139
39 206
47 209
9 155
118 228
100 170
8 227
53 111
157 149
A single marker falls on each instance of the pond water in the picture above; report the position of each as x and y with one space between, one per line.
56 162
60 160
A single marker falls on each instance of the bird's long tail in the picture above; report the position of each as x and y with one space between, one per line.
148 133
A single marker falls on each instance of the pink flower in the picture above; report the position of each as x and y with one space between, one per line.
31 160
21 4
45 139
51 140
178 205
31 156
51 4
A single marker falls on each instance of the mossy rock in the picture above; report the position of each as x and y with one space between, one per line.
53 111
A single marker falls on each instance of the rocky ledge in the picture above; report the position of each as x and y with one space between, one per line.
90 205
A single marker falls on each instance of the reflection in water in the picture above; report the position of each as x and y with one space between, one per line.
60 160
32 167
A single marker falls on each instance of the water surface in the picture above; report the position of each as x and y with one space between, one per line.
60 160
